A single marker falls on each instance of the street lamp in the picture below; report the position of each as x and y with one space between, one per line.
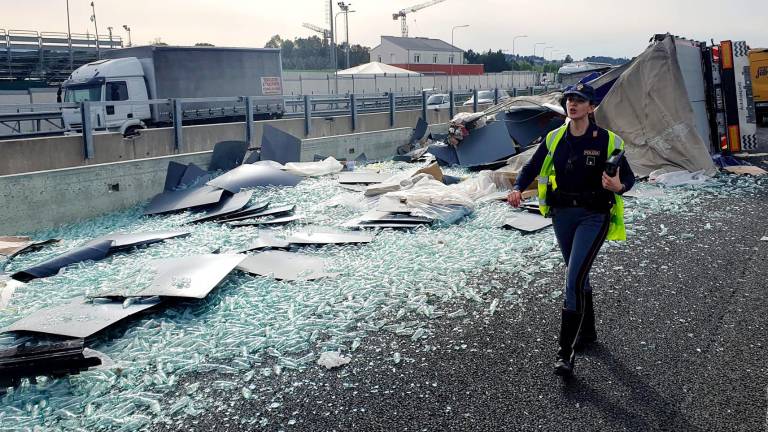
96 26
69 41
345 10
454 60
513 42
535 45
128 29
543 52
109 29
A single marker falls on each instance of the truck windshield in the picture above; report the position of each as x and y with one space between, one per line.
82 94
435 100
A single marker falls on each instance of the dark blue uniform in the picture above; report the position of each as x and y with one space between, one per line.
580 205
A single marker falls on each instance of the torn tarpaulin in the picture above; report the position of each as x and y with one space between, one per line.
266 241
527 222
377 219
49 359
11 246
183 175
94 250
178 200
279 146
484 145
227 206
526 124
329 236
227 155
363 177
251 209
250 176
286 266
272 211
80 318
273 221
187 277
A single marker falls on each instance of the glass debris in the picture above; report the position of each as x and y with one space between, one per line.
252 330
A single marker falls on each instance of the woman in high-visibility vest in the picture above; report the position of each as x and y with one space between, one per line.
585 205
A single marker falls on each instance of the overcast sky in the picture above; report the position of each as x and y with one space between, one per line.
599 27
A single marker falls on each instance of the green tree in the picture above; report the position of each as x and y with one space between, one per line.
274 42
204 44
314 53
568 59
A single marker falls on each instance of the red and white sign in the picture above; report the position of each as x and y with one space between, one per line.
271 86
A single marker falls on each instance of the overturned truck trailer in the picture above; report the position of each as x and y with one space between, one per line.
674 107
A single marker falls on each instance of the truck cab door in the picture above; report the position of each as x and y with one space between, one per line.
116 115
137 91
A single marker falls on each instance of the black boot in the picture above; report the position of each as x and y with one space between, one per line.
587 334
569 327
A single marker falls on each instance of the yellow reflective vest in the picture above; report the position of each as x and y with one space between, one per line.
616 230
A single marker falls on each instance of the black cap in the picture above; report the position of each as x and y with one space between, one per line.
582 90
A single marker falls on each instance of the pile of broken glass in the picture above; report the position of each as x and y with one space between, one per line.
147 301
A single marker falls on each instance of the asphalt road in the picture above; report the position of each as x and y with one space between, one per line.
683 330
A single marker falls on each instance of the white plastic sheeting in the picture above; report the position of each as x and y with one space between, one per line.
326 166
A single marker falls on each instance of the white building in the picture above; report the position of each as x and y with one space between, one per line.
402 51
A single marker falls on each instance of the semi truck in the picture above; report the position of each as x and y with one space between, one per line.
140 74
758 63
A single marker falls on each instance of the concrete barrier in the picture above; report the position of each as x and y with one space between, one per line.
41 200
376 145
49 153
44 199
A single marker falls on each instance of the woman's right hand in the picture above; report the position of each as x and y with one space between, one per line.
515 198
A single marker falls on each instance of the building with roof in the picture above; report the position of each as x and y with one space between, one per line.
425 55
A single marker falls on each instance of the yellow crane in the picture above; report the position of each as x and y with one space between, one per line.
325 32
402 13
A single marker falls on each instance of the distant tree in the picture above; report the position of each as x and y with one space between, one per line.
358 55
314 53
495 62
605 59
491 61
204 44
472 57
568 59
274 42
158 42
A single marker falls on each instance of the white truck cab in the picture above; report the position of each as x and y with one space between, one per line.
108 80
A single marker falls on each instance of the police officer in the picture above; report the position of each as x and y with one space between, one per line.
585 205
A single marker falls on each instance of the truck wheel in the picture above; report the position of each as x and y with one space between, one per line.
131 131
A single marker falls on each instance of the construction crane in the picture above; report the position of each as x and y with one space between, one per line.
325 32
401 14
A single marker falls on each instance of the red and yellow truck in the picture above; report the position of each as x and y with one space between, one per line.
758 65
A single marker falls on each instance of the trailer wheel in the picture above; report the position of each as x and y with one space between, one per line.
132 131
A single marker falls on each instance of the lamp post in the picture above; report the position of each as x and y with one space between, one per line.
69 41
345 9
513 42
535 45
128 29
96 26
543 52
454 60
334 62
109 29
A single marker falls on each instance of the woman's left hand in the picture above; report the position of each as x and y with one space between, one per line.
612 184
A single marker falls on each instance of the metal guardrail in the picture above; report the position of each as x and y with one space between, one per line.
306 107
